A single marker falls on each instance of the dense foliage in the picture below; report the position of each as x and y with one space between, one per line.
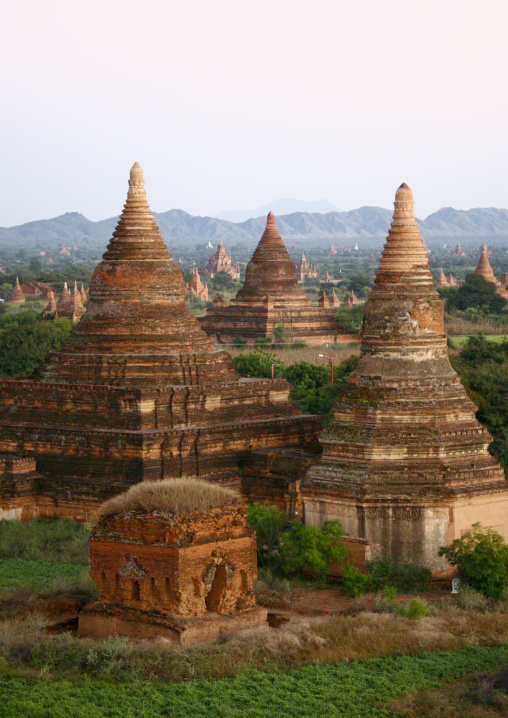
475 293
23 345
292 548
350 319
312 389
481 557
483 369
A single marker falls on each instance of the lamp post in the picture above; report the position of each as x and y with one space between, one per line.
325 356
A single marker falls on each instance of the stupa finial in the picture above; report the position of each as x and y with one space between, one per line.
270 221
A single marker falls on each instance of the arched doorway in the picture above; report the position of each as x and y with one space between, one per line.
217 589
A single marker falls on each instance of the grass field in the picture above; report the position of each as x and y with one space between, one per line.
353 690
290 355
458 341
37 575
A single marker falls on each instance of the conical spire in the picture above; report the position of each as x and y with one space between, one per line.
136 307
484 269
451 281
403 260
17 296
83 294
271 271
442 281
51 306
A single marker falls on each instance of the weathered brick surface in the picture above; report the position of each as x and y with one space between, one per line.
154 568
138 391
405 460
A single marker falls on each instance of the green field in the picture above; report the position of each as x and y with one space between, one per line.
355 690
458 341
36 574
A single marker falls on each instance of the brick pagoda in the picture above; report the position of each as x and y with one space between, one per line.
270 296
197 287
17 296
484 270
139 393
220 261
181 567
405 463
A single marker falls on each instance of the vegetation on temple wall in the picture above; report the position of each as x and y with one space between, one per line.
483 369
481 557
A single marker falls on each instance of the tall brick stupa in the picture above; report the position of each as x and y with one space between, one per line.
138 392
405 463
271 296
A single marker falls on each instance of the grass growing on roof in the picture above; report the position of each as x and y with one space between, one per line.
176 497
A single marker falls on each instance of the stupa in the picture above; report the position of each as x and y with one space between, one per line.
441 280
271 296
51 305
138 392
483 268
451 281
405 463
197 287
17 296
84 298
305 269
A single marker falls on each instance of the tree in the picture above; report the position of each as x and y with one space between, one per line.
360 284
481 557
6 291
268 523
223 282
258 363
477 293
24 346
35 266
350 319
312 548
279 334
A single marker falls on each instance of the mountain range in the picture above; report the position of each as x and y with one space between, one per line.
278 207
175 225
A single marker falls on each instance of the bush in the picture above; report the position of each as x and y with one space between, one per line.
471 600
481 557
312 548
239 342
258 363
416 609
354 582
405 577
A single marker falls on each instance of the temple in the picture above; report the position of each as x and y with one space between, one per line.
220 261
175 559
271 297
69 304
441 280
458 251
197 287
305 269
137 392
405 463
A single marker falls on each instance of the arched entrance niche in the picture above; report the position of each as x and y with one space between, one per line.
217 590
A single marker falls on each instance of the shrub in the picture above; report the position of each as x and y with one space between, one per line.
416 609
471 600
481 557
354 582
258 363
350 319
405 577
239 342
312 548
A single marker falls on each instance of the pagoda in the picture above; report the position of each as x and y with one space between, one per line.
405 463
137 392
17 296
51 305
441 280
270 297
305 269
197 287
458 251
220 261
484 270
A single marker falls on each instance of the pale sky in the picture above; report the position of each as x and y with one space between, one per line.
229 104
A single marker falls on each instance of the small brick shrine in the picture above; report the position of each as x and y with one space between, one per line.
173 558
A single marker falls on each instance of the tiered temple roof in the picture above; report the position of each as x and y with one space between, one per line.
405 463
197 287
305 269
138 391
270 296
220 261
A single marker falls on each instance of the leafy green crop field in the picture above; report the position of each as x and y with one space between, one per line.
36 574
354 690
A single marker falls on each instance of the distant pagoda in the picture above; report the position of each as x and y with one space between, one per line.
17 296
405 463
220 261
271 296
137 392
441 280
484 270
305 269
